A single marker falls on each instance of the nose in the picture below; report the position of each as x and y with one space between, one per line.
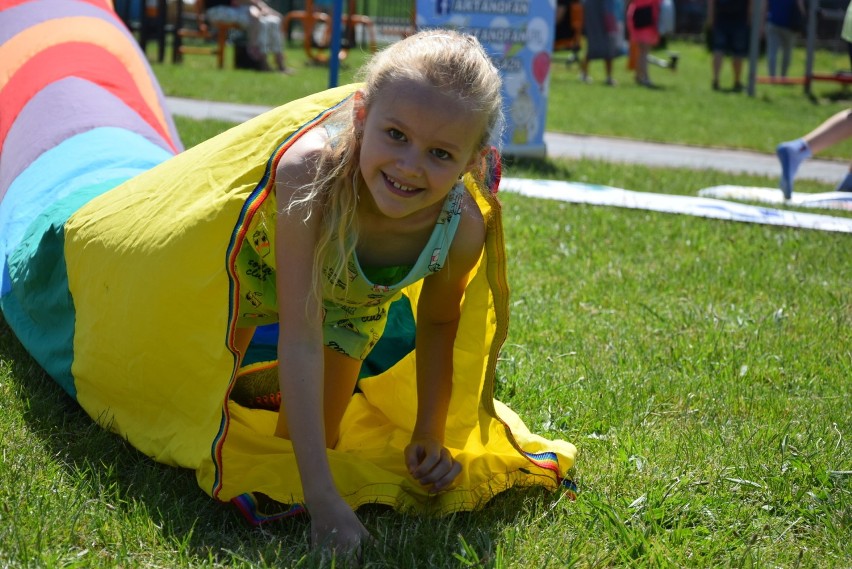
408 162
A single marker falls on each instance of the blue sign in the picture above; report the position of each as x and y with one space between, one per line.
518 35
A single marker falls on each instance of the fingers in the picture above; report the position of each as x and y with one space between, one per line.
435 469
413 455
422 459
447 479
345 538
347 554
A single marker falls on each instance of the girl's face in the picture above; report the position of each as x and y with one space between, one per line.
417 141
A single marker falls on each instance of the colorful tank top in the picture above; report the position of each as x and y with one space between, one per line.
354 313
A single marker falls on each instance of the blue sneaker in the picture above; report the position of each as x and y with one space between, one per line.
791 155
845 184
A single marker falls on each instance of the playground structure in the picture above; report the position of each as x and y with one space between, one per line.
815 12
214 36
191 32
318 30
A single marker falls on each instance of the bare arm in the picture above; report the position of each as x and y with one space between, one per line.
439 310
301 351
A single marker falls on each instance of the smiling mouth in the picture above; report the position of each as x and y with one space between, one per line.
399 186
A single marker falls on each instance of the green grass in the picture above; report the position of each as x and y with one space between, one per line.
198 77
701 367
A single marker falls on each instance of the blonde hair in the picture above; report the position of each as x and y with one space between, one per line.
448 60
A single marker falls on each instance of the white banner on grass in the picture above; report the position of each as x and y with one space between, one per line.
594 194
824 200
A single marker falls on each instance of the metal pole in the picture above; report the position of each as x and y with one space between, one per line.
809 59
754 46
334 50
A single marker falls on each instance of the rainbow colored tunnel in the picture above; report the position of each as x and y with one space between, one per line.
118 258
81 113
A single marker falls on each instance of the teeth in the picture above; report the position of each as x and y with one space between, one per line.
399 186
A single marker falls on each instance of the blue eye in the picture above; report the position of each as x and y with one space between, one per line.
395 134
441 154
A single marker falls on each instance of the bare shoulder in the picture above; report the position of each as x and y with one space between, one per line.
470 235
297 166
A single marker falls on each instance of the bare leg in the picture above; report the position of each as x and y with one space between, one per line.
836 128
717 67
608 67
642 64
791 154
738 73
584 69
833 130
341 374
281 64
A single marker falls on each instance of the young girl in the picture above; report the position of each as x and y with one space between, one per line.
378 193
139 275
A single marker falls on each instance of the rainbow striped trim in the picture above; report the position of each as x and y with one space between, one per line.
261 192
248 506
549 461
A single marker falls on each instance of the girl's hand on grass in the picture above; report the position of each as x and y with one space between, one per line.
431 464
336 528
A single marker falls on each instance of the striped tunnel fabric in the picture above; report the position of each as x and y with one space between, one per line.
80 112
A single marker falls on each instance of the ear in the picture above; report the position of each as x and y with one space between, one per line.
359 110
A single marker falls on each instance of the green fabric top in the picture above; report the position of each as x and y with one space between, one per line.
386 275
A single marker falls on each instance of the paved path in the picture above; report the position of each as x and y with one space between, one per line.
575 146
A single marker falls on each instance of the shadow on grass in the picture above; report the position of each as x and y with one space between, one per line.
840 95
536 168
195 527
169 496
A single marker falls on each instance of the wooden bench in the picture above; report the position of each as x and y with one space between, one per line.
211 36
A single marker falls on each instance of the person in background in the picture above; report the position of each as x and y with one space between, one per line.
667 19
666 27
602 30
728 22
846 32
569 28
791 154
643 29
262 24
782 18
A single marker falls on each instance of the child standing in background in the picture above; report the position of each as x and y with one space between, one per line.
643 30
